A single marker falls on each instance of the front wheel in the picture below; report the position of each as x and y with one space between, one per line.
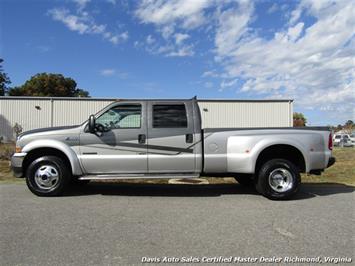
47 176
278 179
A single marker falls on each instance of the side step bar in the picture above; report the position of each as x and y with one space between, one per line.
136 176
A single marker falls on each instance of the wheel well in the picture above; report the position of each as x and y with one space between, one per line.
36 153
286 152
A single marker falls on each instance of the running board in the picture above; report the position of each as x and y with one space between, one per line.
136 176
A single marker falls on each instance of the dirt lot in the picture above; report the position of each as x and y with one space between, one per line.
343 172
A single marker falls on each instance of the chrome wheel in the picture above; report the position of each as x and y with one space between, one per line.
47 177
281 180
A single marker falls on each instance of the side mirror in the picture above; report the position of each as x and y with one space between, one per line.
91 124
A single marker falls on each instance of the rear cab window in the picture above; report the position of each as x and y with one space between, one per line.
170 116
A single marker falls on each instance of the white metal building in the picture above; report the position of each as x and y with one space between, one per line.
37 112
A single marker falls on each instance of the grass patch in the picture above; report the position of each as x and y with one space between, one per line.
342 172
6 150
6 174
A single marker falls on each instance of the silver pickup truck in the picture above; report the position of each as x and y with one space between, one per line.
164 139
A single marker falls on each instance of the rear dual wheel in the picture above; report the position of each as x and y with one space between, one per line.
278 179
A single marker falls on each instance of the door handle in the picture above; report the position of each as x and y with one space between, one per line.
189 138
141 138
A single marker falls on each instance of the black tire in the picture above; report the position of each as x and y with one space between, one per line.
45 166
269 175
245 180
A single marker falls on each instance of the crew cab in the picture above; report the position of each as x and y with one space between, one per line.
164 139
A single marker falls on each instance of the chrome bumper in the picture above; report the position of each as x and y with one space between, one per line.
16 164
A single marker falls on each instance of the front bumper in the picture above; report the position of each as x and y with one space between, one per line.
16 164
331 161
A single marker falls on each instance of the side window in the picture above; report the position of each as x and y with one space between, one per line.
122 116
169 116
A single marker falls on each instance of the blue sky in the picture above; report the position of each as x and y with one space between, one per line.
303 50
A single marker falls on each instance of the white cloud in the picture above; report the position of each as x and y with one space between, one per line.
108 72
111 72
113 2
229 83
294 32
150 39
208 84
180 37
81 3
159 12
44 48
83 23
232 24
273 8
210 74
118 38
168 16
186 50
314 64
73 22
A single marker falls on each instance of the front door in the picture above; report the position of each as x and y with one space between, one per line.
121 147
170 138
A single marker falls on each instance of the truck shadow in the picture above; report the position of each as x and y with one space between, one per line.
308 190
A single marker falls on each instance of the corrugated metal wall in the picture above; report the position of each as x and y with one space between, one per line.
75 112
25 113
246 114
35 112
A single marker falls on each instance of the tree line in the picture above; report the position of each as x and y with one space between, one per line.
41 84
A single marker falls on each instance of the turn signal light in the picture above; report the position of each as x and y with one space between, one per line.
18 149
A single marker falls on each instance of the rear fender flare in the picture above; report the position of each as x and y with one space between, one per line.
265 143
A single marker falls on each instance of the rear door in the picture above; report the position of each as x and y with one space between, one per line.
170 137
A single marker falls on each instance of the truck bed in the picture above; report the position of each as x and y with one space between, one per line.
236 150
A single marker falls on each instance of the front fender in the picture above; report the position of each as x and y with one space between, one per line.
58 145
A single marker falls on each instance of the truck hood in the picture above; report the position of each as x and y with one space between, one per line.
47 131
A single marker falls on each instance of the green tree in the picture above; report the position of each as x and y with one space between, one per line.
349 127
48 84
299 120
349 123
4 80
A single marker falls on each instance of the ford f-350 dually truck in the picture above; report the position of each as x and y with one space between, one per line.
164 139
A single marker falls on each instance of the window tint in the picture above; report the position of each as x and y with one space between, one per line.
337 136
121 116
169 116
